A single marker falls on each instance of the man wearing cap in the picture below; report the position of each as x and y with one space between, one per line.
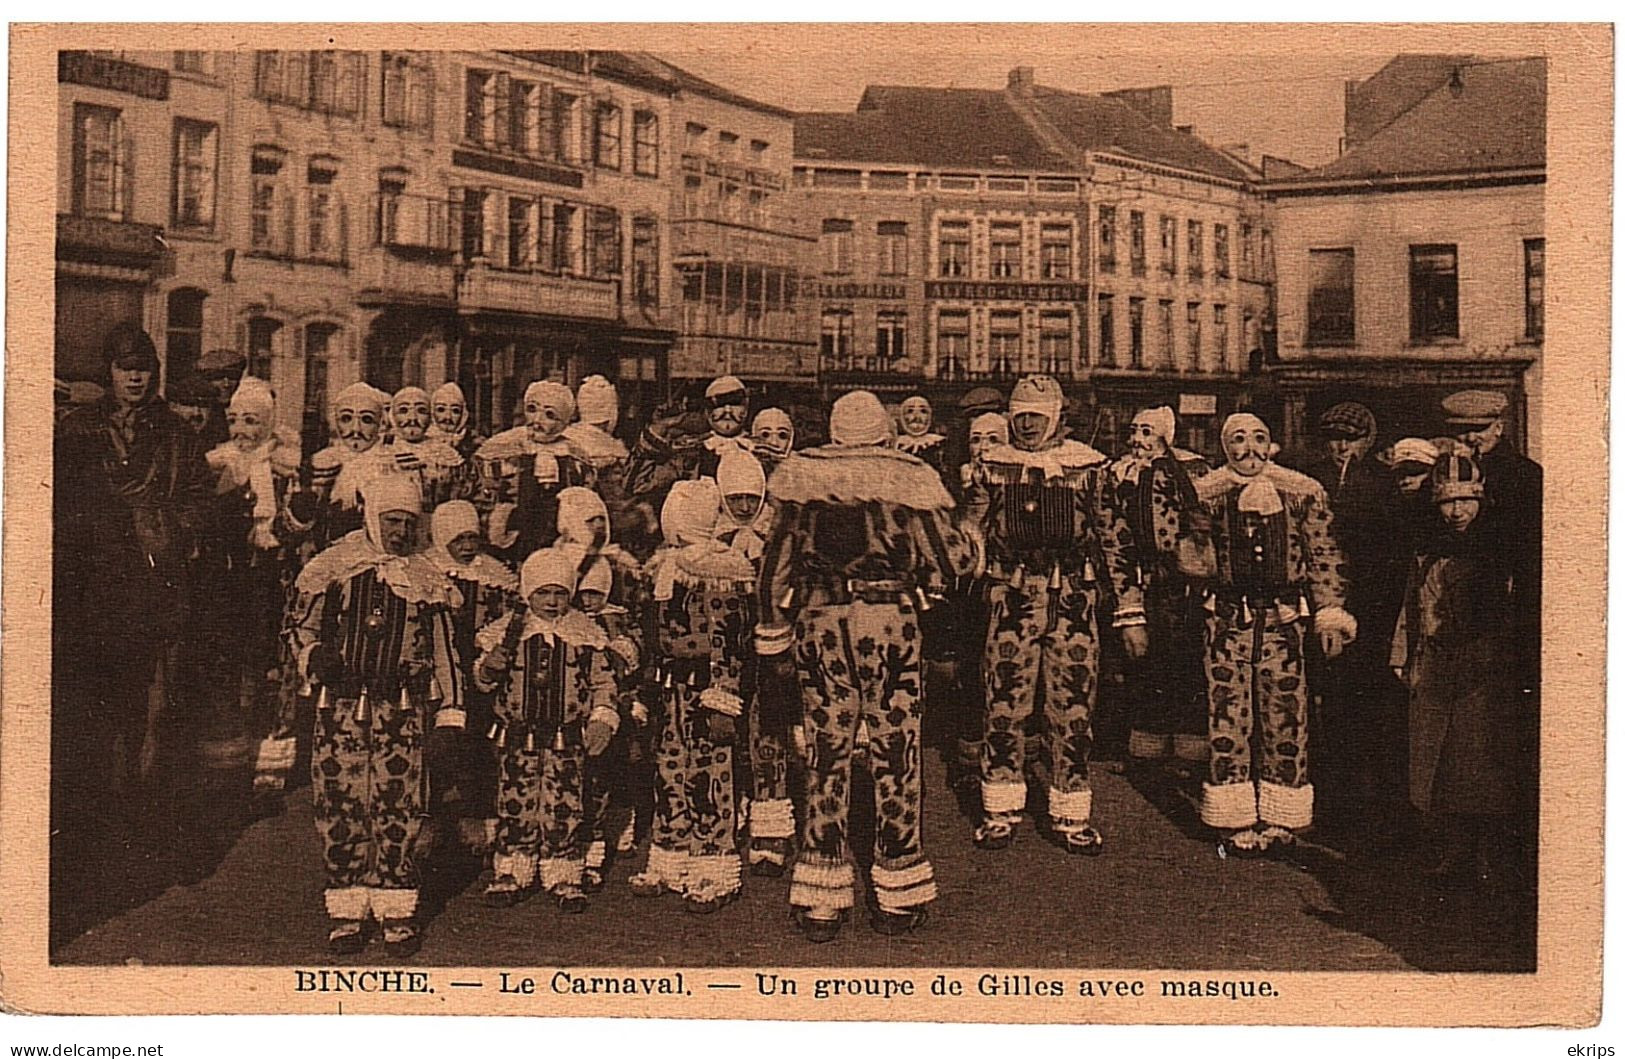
663 455
372 626
191 398
1154 485
1351 691
1260 543
221 369
526 467
862 531
1044 504
129 489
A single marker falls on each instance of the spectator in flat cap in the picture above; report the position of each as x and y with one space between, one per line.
192 398
222 369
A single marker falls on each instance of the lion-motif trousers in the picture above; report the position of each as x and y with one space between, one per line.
860 663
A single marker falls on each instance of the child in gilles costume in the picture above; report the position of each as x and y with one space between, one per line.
702 592
372 626
555 709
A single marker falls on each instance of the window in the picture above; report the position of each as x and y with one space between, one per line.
196 154
1107 347
606 137
1055 251
100 181
1057 186
525 110
1004 343
1004 250
1016 184
1221 251
183 331
694 138
391 190
727 145
485 106
645 143
1165 330
836 247
324 211
1193 333
1247 271
1433 292
521 232
1221 332
562 238
473 223
893 236
884 181
1331 298
604 241
563 128
837 178
1169 260
646 260
190 62
953 343
1136 242
1193 249
1136 332
407 91
262 341
835 338
1534 288
1055 344
1108 238
325 81
270 216
950 182
953 248
891 336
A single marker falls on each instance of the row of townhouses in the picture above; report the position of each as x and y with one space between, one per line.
497 217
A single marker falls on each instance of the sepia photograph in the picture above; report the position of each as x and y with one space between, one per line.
639 513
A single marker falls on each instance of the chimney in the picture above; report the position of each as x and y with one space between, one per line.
1021 80
1155 103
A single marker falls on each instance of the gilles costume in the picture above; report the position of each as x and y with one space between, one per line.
772 436
555 691
702 604
437 466
340 470
487 590
375 631
255 534
525 468
916 436
1052 532
1155 485
1263 549
768 705
861 530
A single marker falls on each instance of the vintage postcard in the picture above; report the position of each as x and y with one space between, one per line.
1021 523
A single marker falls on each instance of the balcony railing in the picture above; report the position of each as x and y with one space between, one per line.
486 286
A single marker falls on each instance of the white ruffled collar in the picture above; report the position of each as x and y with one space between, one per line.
1054 462
414 578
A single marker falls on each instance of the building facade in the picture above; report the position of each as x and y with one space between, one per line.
398 217
1414 265
967 237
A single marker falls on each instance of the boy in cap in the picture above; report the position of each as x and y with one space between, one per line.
191 398
702 618
1260 543
220 369
526 467
1044 505
373 627
862 529
555 709
1154 483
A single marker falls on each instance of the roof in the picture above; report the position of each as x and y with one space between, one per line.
644 70
1495 120
973 128
1098 123
1402 82
981 128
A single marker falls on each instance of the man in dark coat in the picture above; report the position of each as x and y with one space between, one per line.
130 482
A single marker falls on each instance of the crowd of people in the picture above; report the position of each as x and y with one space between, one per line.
557 648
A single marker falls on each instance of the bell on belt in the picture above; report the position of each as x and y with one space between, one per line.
406 700
558 739
530 741
324 701
498 733
787 598
363 710
1030 506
